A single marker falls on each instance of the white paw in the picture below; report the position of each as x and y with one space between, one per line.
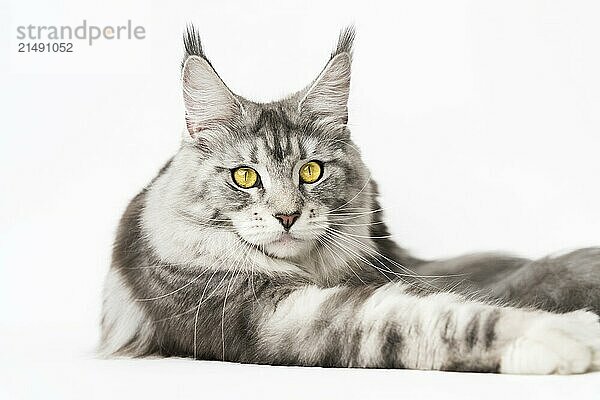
555 344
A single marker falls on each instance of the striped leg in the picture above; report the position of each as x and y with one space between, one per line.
389 327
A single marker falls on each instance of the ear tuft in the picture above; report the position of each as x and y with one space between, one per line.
345 41
192 44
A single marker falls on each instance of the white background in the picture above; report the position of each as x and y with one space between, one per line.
480 121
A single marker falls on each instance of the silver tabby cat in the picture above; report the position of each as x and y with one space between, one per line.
262 241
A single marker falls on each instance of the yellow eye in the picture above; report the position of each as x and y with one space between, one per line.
311 172
245 177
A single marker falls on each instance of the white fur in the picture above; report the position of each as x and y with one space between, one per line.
297 311
555 343
416 317
185 244
382 306
123 318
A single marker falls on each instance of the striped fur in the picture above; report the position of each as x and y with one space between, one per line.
202 268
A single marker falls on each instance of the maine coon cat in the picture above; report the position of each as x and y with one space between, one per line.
262 241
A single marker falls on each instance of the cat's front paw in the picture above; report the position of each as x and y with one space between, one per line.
555 344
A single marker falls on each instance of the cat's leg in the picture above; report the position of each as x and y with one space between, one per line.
391 328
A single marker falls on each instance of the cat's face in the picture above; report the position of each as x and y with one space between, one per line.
279 182
281 178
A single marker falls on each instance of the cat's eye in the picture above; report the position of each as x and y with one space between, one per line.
311 172
245 177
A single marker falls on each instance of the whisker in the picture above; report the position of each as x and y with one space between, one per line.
225 302
196 316
355 254
325 245
215 270
329 229
409 272
365 224
346 263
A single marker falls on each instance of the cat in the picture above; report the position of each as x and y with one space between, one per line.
262 241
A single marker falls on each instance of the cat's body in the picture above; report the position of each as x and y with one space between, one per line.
299 270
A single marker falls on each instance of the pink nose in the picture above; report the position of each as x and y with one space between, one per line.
287 220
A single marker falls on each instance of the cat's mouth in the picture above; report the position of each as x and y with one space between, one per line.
286 238
284 246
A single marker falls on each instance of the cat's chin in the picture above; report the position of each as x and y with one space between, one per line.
285 247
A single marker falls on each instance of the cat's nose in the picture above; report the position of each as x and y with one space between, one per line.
287 220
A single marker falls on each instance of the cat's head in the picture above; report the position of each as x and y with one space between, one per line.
283 178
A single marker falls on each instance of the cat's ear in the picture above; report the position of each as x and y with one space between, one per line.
209 104
326 99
